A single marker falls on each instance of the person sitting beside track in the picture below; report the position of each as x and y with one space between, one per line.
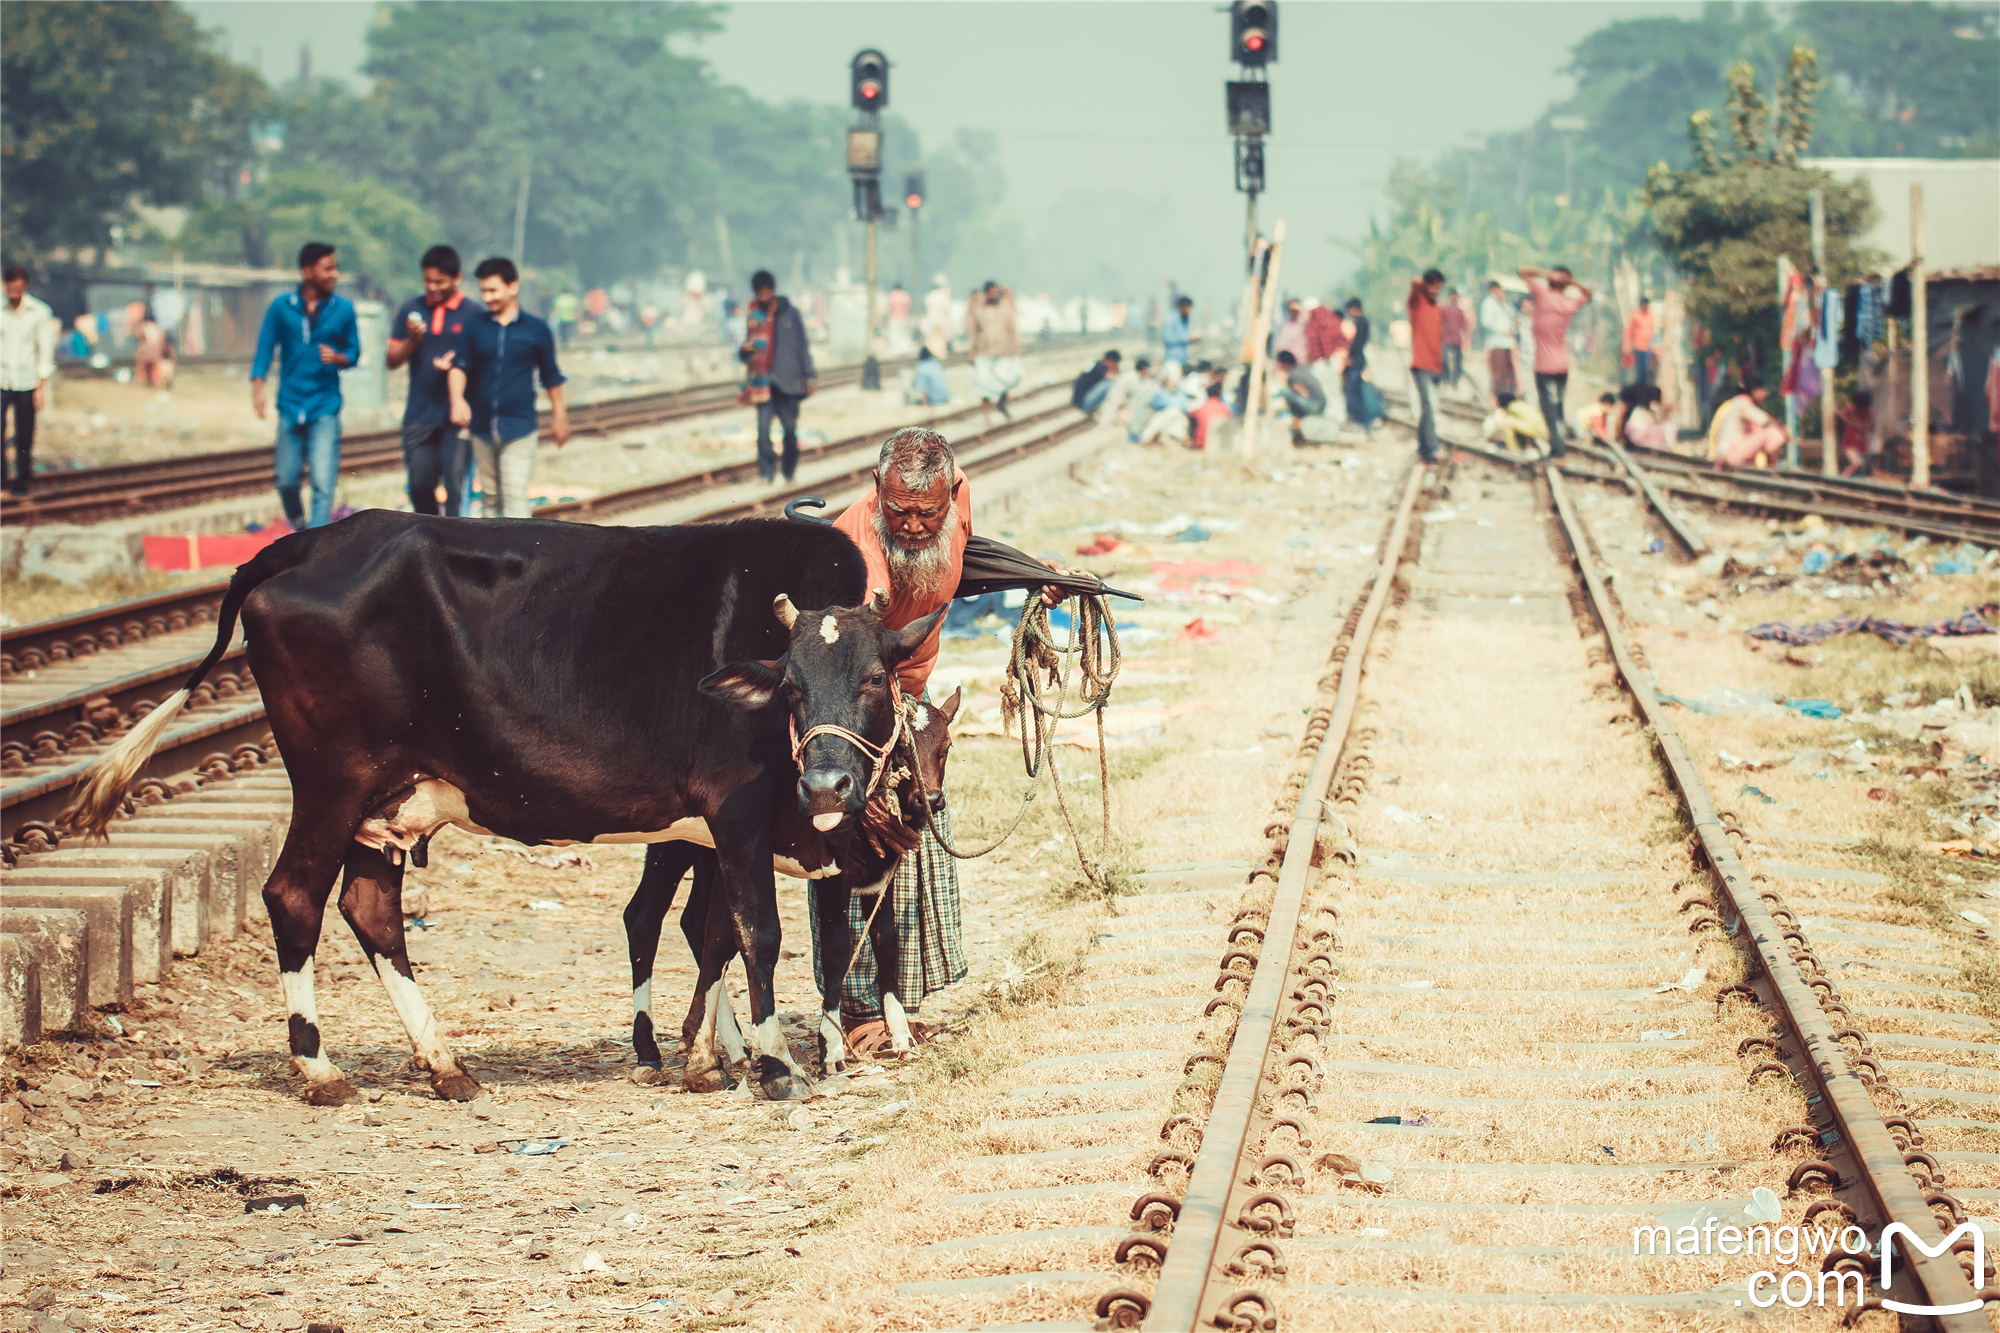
1742 434
1212 409
1643 424
1170 405
1520 426
1301 392
928 386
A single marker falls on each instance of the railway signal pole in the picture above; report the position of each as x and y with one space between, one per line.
913 199
1253 44
868 89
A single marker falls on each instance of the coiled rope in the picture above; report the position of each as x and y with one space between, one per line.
1036 662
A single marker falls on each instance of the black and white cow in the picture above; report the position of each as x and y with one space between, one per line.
838 867
546 682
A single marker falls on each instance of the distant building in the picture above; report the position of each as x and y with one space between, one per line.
1961 208
213 312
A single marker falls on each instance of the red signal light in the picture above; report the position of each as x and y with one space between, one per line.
915 201
870 89
1254 42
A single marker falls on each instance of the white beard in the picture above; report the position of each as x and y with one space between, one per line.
923 573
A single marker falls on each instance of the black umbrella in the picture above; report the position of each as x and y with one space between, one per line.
992 566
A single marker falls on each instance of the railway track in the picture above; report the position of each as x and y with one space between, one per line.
1436 1109
1444 1063
128 489
1942 515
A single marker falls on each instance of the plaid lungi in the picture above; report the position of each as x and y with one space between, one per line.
923 903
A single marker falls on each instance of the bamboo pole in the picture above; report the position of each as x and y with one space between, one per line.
1260 336
1920 348
1829 451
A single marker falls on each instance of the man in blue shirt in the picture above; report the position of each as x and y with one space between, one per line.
492 389
426 333
1175 334
315 336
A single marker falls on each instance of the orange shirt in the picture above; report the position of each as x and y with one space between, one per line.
1426 331
858 522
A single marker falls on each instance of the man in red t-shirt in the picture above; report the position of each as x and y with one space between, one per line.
1426 358
1557 297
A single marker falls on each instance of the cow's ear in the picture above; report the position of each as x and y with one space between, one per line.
903 642
745 684
949 708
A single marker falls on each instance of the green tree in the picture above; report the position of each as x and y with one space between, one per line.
106 104
379 234
1912 79
1724 223
614 132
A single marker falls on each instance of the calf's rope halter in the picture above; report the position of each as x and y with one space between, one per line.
879 753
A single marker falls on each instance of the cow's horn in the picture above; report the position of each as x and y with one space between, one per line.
878 601
786 612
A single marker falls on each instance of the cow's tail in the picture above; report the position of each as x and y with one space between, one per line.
102 790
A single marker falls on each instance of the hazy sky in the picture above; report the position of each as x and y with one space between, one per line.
1110 114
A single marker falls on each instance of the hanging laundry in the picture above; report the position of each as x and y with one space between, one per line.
1850 325
1899 294
1806 382
1826 350
1868 314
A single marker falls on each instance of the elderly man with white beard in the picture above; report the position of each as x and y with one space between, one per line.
912 531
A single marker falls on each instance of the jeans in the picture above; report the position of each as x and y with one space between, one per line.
1425 383
435 451
1454 363
1549 390
1174 352
21 402
1301 405
1094 396
302 443
1357 403
505 469
1642 367
785 407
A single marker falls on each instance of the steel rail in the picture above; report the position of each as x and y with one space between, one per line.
1864 1137
690 483
124 489
99 706
80 634
1186 1293
1945 507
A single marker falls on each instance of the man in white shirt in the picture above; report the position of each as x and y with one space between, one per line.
27 362
1496 322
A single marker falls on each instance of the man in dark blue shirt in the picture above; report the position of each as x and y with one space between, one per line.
493 389
426 333
315 337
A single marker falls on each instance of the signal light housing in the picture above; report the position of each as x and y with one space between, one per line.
1253 32
913 189
868 80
